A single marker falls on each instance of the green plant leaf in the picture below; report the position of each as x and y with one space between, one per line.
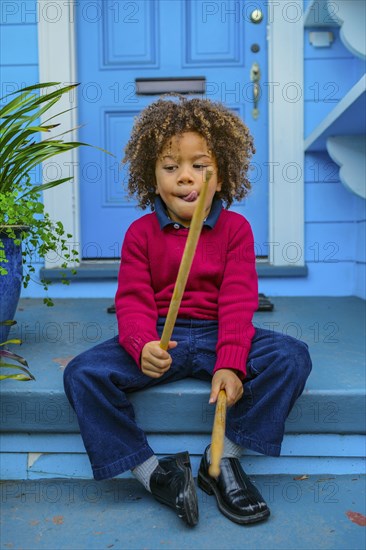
38 86
11 366
18 120
48 185
12 341
8 323
10 355
14 146
20 377
32 101
13 104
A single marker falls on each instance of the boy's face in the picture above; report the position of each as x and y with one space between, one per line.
180 172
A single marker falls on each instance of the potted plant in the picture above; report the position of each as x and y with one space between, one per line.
25 228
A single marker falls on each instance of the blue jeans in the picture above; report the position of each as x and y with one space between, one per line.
97 381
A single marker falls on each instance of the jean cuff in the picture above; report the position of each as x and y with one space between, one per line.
123 464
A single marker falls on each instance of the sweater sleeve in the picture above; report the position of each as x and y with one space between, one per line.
238 300
135 303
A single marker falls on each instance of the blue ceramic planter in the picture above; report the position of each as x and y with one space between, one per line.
10 284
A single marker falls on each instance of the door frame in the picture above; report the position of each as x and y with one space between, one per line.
57 42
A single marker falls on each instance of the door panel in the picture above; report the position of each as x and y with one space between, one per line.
129 36
120 41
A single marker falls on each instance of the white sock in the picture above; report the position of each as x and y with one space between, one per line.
143 471
231 450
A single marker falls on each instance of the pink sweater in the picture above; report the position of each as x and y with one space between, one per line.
222 284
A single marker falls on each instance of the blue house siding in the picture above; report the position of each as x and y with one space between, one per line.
334 226
334 217
360 270
18 45
329 73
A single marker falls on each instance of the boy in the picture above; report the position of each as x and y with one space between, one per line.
172 145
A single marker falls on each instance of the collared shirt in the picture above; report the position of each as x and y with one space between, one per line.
164 219
222 283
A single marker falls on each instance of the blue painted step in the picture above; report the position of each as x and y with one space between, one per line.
308 514
333 402
323 433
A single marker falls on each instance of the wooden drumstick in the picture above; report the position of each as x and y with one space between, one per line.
186 262
218 434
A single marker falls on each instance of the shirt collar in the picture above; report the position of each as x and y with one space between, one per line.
164 219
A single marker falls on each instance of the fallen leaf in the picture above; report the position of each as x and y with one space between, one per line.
63 361
357 518
58 520
324 479
301 478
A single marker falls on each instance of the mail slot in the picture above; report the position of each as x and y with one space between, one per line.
156 86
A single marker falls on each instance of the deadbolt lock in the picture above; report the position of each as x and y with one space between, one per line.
256 16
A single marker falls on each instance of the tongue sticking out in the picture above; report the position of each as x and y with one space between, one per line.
191 197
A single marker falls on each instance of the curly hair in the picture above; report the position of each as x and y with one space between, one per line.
227 137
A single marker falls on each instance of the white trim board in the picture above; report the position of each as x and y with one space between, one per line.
286 121
57 62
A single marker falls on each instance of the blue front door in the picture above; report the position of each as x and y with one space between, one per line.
128 47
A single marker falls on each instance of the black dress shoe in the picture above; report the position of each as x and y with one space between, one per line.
236 496
172 484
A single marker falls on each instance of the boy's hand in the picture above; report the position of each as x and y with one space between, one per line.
226 379
154 360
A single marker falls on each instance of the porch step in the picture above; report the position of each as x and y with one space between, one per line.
182 407
331 411
308 514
